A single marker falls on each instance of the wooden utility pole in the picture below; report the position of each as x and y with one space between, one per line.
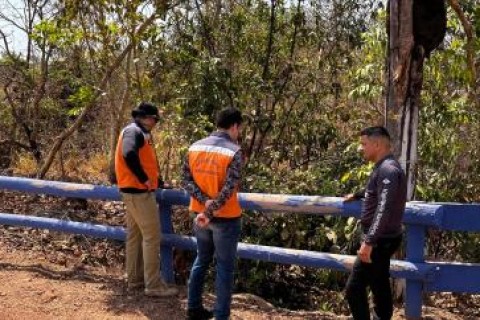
415 28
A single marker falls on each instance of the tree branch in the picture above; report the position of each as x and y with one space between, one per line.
7 48
13 23
470 45
16 143
206 32
268 52
103 83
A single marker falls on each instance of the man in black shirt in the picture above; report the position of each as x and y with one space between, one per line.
381 218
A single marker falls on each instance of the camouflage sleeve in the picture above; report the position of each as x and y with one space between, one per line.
189 184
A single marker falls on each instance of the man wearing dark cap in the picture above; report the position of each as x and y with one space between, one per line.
381 221
137 173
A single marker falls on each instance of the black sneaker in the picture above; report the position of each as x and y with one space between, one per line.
199 314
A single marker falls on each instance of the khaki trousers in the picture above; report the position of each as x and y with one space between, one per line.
143 240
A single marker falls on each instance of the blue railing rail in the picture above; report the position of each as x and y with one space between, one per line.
420 275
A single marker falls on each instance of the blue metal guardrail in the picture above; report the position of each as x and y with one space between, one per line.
420 275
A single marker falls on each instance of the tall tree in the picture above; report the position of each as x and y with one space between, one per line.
90 103
24 79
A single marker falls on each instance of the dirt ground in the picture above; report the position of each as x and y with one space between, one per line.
33 288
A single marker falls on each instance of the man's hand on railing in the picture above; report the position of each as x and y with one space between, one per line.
354 196
166 185
349 197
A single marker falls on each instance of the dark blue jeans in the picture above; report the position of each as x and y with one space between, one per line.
219 239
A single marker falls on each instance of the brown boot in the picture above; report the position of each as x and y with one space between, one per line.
134 286
162 292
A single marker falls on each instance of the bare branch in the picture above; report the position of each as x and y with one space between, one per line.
16 143
103 84
5 41
470 35
209 43
268 53
16 25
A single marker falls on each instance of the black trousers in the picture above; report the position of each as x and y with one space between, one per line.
375 275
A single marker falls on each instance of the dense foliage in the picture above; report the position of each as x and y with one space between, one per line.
309 75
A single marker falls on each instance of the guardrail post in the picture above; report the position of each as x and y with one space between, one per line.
415 247
166 251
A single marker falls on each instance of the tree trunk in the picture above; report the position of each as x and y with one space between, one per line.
414 29
401 107
117 114
402 95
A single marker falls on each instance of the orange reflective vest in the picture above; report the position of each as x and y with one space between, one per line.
209 159
148 160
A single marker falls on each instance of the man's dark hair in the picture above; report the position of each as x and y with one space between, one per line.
227 117
376 132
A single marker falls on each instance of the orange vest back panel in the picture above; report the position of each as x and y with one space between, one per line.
209 160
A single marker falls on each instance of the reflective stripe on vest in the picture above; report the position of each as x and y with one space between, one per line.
148 160
209 160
